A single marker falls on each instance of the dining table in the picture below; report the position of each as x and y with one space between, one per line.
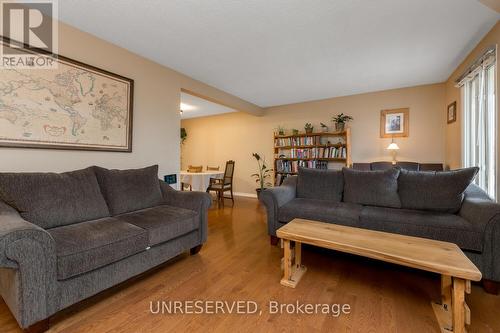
199 181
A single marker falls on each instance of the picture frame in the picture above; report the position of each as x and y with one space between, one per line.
57 122
451 112
394 123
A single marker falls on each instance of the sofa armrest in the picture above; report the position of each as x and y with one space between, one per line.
276 197
197 201
484 214
28 268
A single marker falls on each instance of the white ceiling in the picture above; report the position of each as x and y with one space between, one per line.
194 107
285 51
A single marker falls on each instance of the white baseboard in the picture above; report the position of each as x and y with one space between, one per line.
243 194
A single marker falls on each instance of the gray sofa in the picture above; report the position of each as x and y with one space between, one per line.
439 205
65 237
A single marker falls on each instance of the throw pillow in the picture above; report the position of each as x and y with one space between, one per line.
437 191
129 190
54 199
320 184
373 188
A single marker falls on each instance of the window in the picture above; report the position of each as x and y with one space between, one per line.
479 125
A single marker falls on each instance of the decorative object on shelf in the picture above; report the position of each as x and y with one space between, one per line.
340 120
324 128
295 131
264 174
393 148
183 135
280 130
452 112
394 123
309 128
77 107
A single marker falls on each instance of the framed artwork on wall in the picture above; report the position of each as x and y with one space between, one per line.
451 112
394 123
73 106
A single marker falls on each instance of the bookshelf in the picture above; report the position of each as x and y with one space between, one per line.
325 150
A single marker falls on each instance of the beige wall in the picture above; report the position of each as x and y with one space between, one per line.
213 140
493 4
453 130
156 111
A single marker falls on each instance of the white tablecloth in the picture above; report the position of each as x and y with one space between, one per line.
199 181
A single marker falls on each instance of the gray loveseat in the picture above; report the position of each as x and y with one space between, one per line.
437 205
65 237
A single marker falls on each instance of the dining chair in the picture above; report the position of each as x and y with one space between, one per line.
220 186
185 186
209 168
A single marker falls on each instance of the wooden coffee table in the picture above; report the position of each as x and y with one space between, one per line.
429 255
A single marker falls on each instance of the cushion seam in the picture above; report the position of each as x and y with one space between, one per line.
97 247
430 226
62 276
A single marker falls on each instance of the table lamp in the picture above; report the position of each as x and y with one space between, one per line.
393 147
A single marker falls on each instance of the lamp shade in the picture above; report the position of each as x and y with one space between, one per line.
393 146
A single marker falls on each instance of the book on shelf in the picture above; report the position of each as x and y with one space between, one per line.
285 166
287 143
318 152
280 178
297 141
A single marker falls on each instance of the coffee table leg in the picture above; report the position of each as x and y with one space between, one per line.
458 300
443 309
446 291
287 260
298 254
452 313
292 273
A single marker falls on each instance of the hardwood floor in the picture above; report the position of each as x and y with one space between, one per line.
237 263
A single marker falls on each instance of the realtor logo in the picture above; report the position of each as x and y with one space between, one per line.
29 30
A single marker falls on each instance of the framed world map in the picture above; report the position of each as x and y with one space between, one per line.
75 106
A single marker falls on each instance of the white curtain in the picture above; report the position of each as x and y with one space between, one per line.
479 125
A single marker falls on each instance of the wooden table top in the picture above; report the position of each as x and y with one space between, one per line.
201 173
421 253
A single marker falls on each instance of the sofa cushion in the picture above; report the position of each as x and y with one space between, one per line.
320 210
374 188
437 191
320 184
163 223
54 199
432 225
86 246
129 190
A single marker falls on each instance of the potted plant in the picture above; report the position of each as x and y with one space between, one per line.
309 128
183 135
324 128
295 131
280 130
340 121
263 175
